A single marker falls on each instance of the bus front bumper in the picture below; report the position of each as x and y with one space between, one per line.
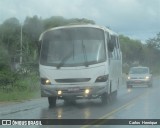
73 91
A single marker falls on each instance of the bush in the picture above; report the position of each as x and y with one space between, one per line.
23 87
19 81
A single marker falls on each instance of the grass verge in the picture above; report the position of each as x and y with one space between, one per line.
25 88
18 95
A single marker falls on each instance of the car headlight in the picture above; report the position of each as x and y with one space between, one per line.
45 81
147 77
102 78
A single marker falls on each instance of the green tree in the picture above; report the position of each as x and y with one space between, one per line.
4 58
153 45
80 21
32 28
154 42
54 21
10 38
132 50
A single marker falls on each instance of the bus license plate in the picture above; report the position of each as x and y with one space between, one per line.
73 89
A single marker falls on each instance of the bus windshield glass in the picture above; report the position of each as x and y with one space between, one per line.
73 47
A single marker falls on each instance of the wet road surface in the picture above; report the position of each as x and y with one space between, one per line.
135 103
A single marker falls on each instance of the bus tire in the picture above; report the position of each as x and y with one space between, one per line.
52 101
114 95
105 98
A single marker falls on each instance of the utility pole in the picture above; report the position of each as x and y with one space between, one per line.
21 45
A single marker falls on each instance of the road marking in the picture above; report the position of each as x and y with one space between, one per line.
107 116
130 106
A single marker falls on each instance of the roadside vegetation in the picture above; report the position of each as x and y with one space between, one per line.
16 87
136 53
19 54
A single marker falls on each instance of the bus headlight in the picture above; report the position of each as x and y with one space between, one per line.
102 78
59 92
45 81
87 91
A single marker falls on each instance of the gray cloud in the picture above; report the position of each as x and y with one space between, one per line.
136 18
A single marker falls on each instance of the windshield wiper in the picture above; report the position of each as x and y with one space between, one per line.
85 55
64 60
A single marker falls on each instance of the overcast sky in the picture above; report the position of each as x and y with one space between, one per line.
139 19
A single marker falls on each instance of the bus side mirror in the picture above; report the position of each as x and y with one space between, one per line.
110 46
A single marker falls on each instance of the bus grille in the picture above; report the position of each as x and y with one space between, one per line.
73 80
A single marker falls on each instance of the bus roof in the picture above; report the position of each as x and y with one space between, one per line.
79 25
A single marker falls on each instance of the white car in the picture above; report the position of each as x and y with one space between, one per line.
139 76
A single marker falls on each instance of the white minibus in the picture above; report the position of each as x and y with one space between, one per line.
79 62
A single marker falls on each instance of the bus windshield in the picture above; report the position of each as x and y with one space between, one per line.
73 47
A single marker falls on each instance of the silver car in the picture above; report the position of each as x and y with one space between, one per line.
139 76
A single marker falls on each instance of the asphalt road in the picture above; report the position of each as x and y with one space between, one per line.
135 103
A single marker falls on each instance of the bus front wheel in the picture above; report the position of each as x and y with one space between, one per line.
52 101
105 98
